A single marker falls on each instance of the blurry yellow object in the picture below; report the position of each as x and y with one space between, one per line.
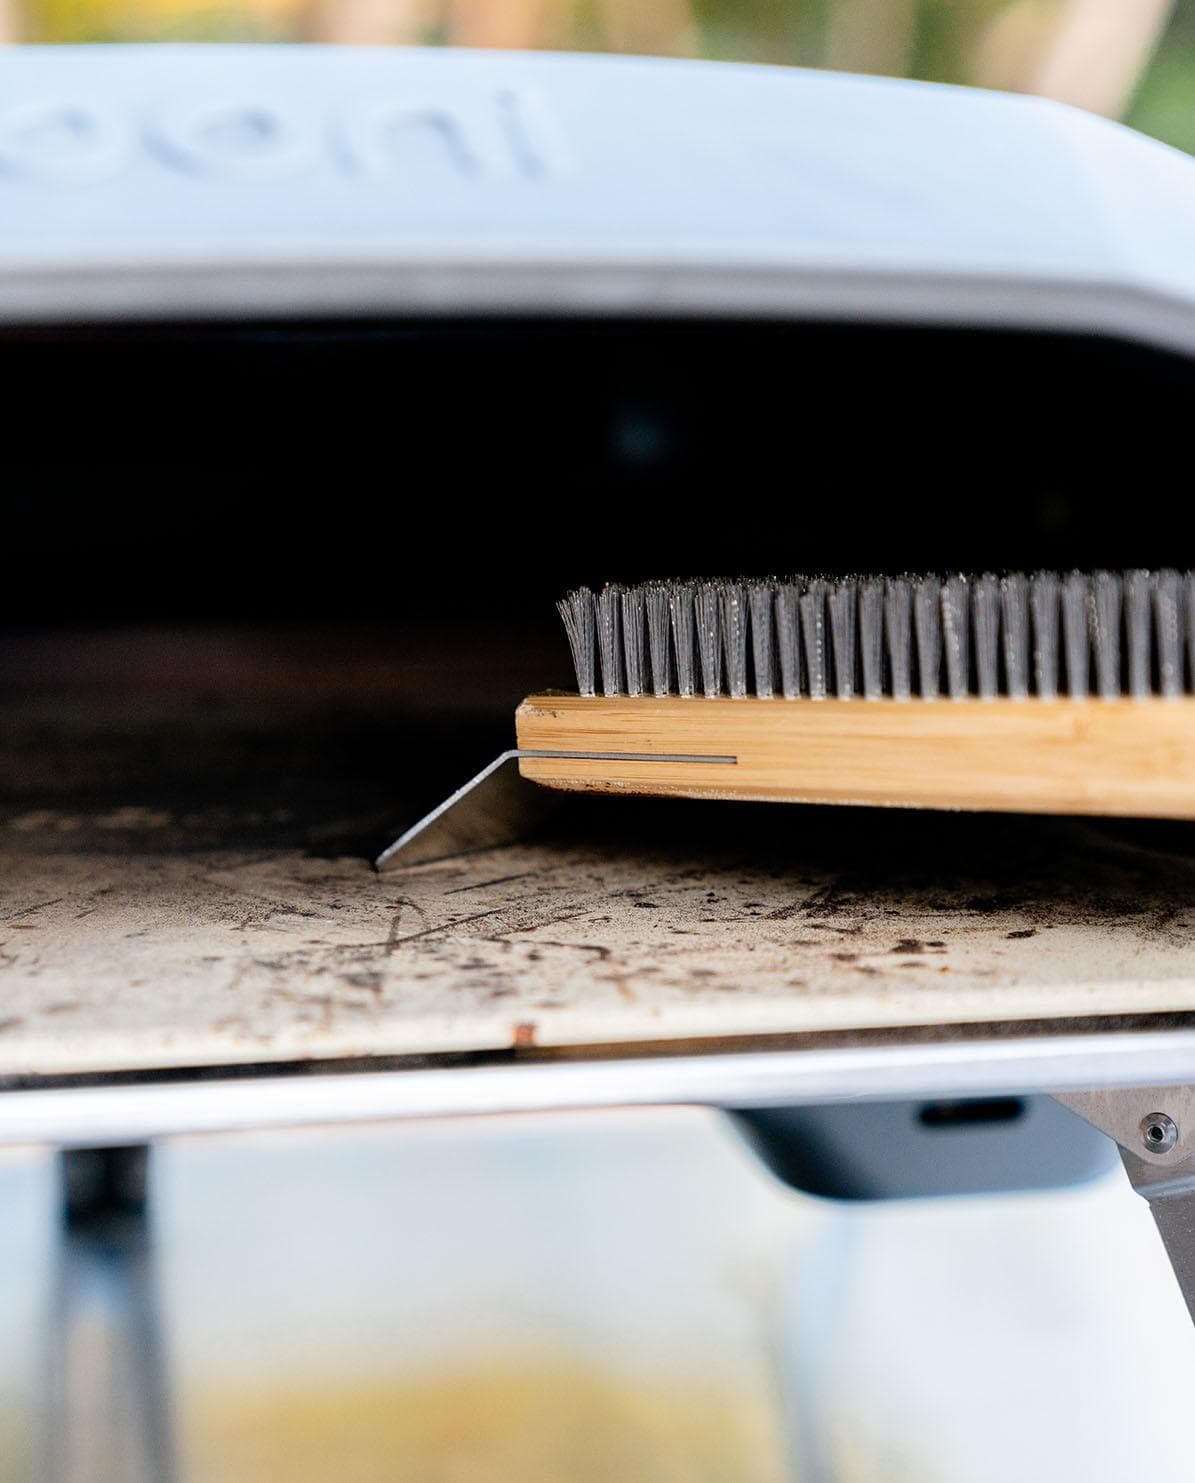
146 20
505 1423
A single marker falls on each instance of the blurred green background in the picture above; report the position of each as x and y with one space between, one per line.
1130 59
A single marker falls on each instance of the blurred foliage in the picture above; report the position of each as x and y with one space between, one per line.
999 43
1163 103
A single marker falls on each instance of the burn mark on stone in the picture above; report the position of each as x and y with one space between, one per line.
987 905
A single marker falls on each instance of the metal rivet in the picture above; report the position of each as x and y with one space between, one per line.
1159 1133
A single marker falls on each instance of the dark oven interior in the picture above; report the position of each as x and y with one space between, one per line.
314 565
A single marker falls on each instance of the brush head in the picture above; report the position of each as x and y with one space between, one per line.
1047 634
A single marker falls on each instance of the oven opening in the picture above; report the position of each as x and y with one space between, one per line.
286 583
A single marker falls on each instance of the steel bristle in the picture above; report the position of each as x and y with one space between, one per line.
1011 635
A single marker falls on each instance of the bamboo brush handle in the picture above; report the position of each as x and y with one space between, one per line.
1128 757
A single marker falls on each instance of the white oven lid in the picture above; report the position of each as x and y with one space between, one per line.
147 183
